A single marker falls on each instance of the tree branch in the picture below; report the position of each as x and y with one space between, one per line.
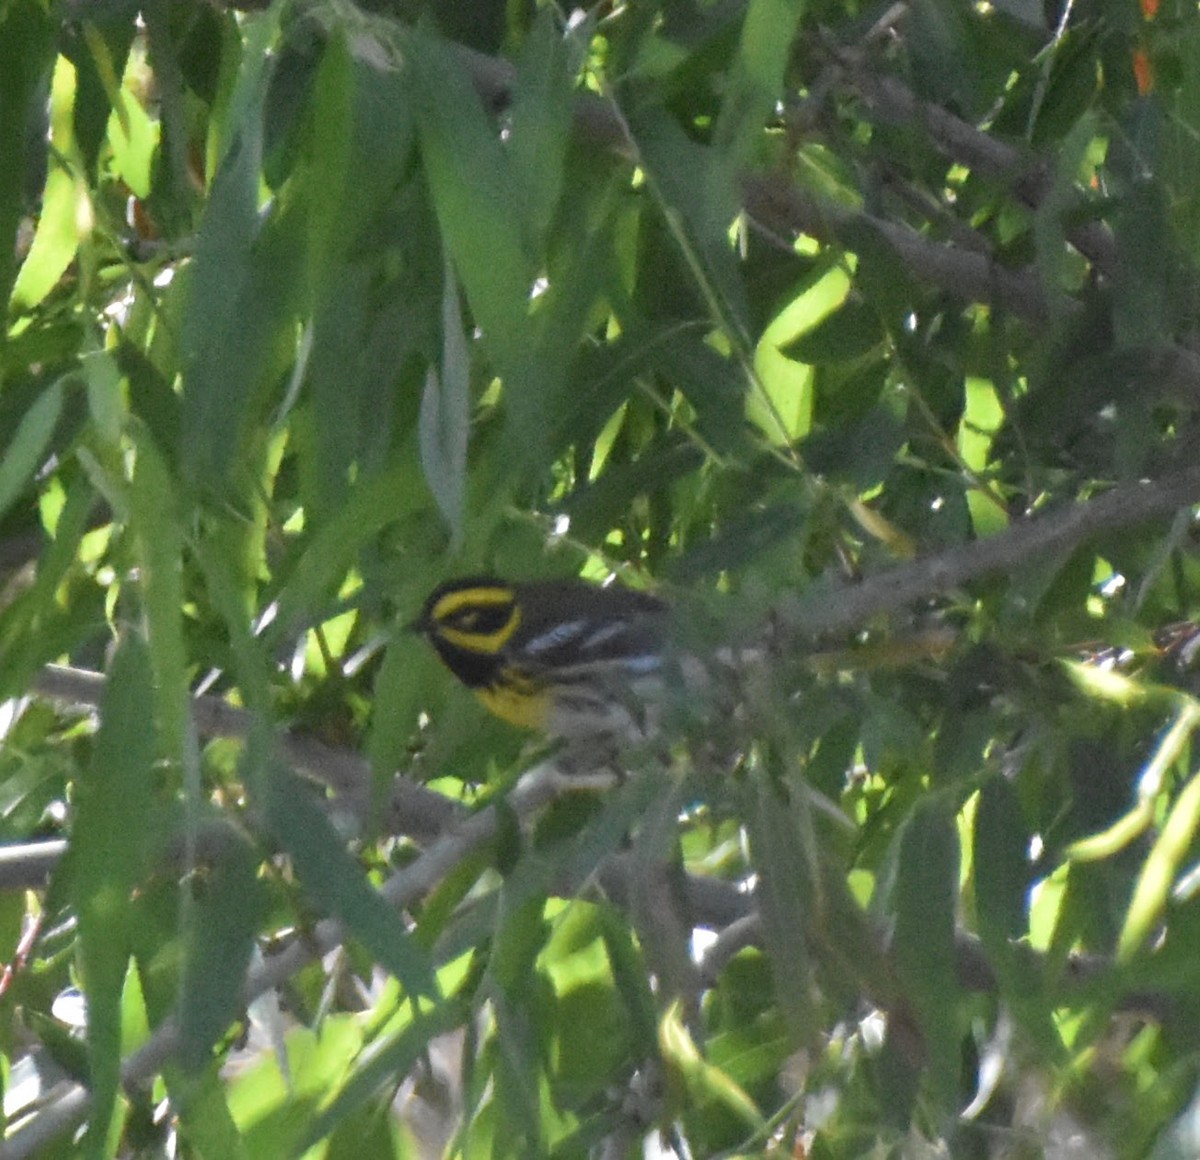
969 275
27 865
410 809
780 206
825 608
888 101
828 608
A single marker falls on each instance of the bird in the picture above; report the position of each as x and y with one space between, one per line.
571 660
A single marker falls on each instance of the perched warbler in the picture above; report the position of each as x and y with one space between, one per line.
564 657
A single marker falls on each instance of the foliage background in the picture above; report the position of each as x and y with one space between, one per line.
871 325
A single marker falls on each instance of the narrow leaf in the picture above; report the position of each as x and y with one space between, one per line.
337 882
27 451
1160 869
445 418
541 124
381 1063
1001 863
924 898
475 199
239 288
66 210
222 921
26 52
155 516
111 843
789 896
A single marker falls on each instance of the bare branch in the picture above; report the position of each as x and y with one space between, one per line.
971 276
26 865
828 608
888 100
410 809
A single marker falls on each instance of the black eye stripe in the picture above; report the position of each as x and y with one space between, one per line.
482 619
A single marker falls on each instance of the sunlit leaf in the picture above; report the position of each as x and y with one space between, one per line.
66 212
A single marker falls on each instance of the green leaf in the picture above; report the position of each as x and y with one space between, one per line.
26 52
403 685
924 900
361 143
227 905
27 450
862 453
944 51
112 841
1142 305
540 124
66 213
716 386
789 896
381 1062
1162 866
373 282
521 932
337 883
880 274
696 194
274 1112
476 200
445 416
846 334
36 627
517 1071
135 142
596 506
756 80
705 1083
241 292
1001 860
333 549
330 170
372 1131
154 512
205 1122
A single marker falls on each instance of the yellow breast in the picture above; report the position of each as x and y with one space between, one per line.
517 699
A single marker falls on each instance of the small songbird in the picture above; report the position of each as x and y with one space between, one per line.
572 660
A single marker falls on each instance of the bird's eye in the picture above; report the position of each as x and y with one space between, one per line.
483 621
